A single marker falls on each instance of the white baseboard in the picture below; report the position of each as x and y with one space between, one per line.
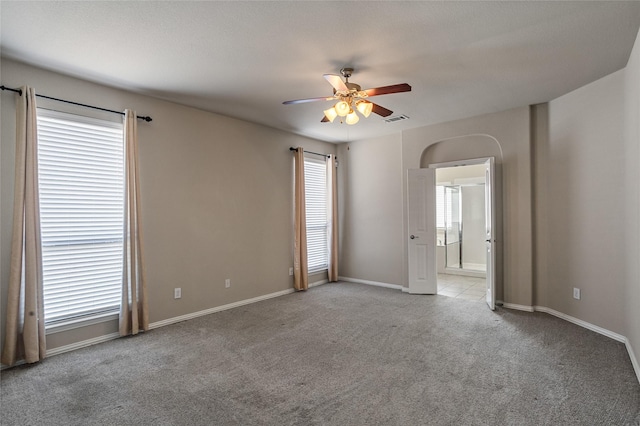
317 283
374 283
72 347
83 344
581 323
464 272
634 360
584 324
517 307
112 336
5 366
192 315
597 329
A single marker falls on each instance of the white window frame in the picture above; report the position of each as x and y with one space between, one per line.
58 175
317 215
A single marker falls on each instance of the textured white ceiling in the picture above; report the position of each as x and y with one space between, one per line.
242 59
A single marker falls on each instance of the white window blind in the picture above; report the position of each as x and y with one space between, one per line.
81 174
315 186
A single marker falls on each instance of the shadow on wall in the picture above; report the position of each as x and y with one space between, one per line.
467 148
462 148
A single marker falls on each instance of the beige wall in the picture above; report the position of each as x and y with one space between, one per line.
374 217
217 197
371 210
580 194
632 193
540 140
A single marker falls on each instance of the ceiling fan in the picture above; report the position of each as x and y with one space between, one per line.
352 98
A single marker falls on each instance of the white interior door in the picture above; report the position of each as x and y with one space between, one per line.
421 185
490 226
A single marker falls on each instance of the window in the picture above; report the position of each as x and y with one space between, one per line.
315 190
81 174
445 208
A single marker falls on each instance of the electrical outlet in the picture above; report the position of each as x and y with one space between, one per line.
227 283
177 293
576 293
291 271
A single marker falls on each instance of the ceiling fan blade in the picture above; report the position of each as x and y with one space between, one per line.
324 119
382 111
336 82
387 90
302 101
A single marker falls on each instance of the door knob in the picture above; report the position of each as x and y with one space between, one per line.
413 237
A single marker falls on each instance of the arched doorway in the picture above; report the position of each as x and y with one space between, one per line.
458 151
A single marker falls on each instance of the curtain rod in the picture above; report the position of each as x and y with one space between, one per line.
309 152
19 91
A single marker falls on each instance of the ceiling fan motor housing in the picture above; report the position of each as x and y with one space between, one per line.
346 72
353 86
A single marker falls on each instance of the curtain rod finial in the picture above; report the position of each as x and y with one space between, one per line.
18 91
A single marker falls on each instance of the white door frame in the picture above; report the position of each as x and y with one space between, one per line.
491 246
490 227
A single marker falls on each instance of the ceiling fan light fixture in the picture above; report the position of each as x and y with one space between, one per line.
352 117
364 107
342 108
331 114
350 98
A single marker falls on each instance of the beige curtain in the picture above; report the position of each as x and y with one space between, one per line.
332 184
25 309
134 314
300 265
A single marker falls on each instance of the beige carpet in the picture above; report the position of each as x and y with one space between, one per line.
339 354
